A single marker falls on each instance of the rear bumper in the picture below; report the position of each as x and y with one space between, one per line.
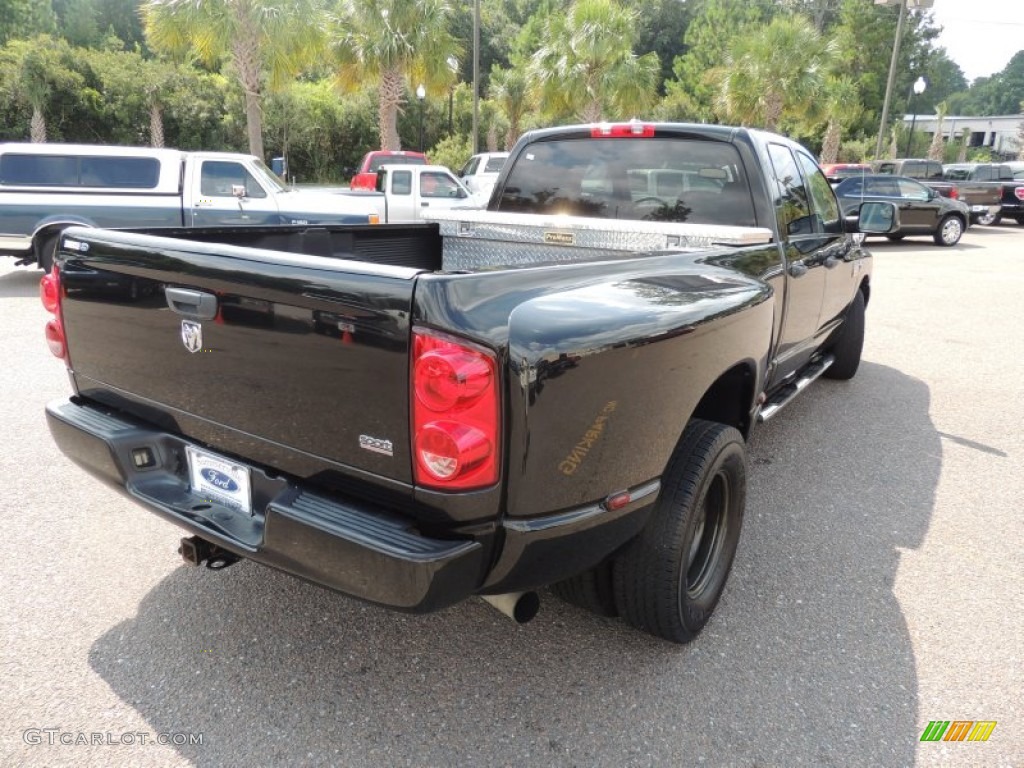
355 548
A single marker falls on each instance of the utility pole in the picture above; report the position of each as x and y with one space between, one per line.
904 5
476 75
892 75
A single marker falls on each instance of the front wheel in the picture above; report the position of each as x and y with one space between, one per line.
850 343
669 579
950 230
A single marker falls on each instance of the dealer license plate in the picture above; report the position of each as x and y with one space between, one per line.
219 480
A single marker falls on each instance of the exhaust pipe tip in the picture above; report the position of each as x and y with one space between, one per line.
521 607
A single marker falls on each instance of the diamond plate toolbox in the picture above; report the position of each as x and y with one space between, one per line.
477 240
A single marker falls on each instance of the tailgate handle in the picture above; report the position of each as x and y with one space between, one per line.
193 304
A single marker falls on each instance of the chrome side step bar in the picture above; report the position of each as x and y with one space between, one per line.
785 396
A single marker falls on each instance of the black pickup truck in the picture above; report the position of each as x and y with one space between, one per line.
556 391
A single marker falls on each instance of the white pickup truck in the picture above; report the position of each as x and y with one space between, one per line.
405 192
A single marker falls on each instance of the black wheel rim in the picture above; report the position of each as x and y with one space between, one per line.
708 536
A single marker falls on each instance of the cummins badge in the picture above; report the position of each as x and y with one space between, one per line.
191 335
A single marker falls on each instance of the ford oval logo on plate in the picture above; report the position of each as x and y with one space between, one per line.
220 480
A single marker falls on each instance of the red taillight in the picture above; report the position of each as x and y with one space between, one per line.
49 288
55 339
1019 193
634 128
954 193
50 295
455 413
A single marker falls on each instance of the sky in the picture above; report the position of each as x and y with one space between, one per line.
980 35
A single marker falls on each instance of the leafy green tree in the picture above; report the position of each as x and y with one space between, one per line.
452 151
322 136
864 36
773 74
661 27
396 45
586 69
1020 135
267 41
842 100
510 91
714 24
44 65
25 18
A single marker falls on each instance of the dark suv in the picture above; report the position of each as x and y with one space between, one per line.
923 211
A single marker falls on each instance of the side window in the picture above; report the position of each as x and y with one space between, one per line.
823 201
851 187
130 172
889 168
791 202
883 188
433 184
39 170
911 190
219 177
401 182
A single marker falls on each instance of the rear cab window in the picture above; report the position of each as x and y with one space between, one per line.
617 178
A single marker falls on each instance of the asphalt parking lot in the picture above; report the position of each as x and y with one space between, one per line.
878 587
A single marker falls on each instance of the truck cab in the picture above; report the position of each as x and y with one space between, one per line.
409 190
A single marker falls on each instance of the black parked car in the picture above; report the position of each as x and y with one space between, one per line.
923 211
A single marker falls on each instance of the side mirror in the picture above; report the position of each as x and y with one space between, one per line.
238 190
877 218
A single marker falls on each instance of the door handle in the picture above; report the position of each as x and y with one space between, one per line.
797 269
424 205
195 305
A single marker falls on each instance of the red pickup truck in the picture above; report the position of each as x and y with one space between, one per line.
366 175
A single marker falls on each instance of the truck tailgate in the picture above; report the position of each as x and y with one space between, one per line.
300 362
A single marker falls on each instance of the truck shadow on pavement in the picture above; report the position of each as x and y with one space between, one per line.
808 660
20 284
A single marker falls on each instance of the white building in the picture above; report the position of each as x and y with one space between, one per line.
999 133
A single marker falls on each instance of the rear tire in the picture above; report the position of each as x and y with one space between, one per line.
46 250
669 579
950 230
591 590
847 348
988 219
1020 220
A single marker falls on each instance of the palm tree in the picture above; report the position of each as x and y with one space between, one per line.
398 45
937 150
268 42
773 73
509 89
585 67
842 107
44 63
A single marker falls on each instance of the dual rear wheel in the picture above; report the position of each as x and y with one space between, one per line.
668 580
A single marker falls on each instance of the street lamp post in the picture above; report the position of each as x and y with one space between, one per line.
421 94
919 86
